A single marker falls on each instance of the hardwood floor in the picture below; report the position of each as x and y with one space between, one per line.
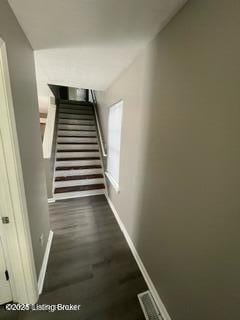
90 264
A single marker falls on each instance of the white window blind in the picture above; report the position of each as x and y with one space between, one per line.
114 143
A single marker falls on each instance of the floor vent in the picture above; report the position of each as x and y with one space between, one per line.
149 307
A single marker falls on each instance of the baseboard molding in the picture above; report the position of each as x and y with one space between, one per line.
51 200
45 262
140 264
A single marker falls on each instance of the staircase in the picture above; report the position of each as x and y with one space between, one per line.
78 165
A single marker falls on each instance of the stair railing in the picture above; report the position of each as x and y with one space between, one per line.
94 100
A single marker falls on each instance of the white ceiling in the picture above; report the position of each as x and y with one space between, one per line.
87 43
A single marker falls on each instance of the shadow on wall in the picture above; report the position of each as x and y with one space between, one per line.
187 230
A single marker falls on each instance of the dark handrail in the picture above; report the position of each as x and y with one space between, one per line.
104 153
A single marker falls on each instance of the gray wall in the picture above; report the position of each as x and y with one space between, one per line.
22 75
179 174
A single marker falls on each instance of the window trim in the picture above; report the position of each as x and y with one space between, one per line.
111 179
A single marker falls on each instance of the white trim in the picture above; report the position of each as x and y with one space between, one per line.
18 231
113 181
70 163
51 200
78 194
49 132
44 263
140 264
43 120
115 116
77 172
78 182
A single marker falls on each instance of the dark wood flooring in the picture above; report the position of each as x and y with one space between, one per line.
90 264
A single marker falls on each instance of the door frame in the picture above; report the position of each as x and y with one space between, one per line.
23 278
5 258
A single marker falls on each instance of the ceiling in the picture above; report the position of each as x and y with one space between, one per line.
87 43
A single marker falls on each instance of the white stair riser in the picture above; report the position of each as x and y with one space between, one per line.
59 139
75 116
67 173
78 122
77 147
83 182
76 111
77 133
69 163
77 154
75 127
67 195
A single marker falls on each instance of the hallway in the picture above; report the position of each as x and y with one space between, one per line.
90 264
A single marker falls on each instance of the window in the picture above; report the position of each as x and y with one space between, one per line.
114 143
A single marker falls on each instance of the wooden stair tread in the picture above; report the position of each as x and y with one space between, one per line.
85 119
75 123
75 107
94 166
79 188
80 143
81 177
88 137
76 114
79 130
63 115
75 102
78 158
77 150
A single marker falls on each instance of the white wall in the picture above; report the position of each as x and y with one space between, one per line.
24 91
180 155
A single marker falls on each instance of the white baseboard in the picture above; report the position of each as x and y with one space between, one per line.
140 264
44 263
51 200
